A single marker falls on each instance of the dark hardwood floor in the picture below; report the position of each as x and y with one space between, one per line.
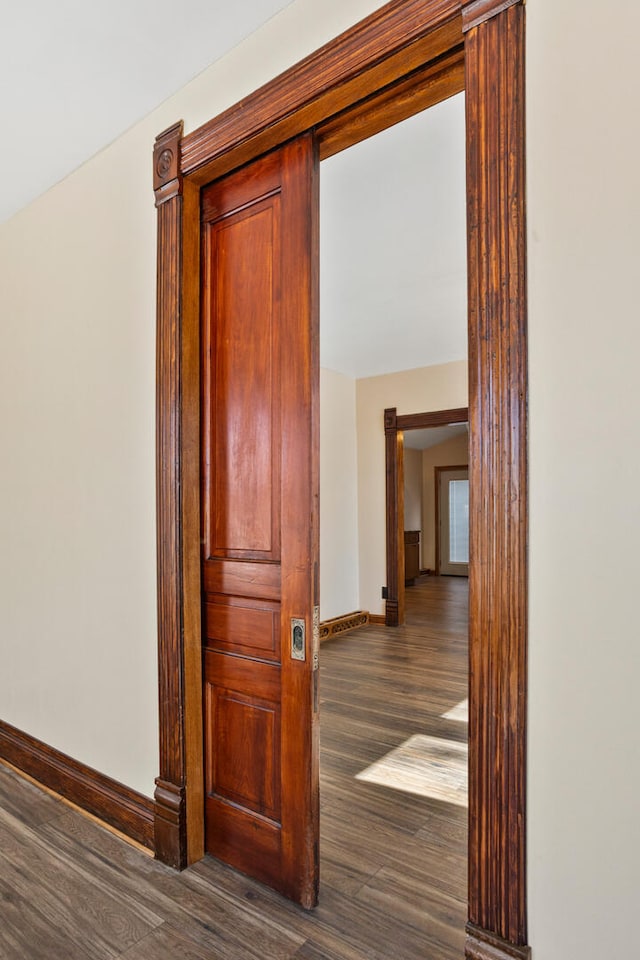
393 881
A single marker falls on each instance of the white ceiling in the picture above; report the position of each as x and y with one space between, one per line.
393 288
432 436
75 74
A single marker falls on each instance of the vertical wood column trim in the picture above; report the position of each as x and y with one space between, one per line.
393 611
169 820
494 53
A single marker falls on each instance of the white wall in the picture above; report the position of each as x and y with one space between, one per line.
440 387
584 250
339 590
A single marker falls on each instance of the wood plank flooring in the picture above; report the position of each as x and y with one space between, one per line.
393 880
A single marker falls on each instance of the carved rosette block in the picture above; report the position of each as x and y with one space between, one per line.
390 420
167 179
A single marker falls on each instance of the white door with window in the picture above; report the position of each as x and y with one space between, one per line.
453 532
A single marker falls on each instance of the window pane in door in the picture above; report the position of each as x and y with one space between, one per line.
459 521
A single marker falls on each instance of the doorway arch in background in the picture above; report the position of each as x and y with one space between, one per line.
394 426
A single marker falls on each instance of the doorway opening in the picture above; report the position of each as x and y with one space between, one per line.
393 733
452 520
377 68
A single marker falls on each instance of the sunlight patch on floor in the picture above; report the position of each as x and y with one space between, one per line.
459 712
427 766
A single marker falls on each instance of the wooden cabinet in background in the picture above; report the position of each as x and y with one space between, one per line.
411 556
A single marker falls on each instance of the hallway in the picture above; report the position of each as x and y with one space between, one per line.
393 880
399 856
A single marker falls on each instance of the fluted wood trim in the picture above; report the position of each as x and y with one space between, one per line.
170 828
498 474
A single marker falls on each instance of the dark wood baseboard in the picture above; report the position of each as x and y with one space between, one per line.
121 807
377 618
337 625
483 945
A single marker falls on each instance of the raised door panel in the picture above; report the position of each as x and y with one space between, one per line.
259 494
243 519
243 625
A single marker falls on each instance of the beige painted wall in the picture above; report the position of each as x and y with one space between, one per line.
77 368
77 595
451 453
339 586
412 489
439 387
584 649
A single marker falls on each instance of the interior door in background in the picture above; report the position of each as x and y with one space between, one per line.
453 520
259 474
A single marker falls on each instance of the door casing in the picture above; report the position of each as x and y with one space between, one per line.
403 58
394 427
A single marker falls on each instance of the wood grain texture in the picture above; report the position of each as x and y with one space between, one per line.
118 805
393 864
400 38
167 182
478 11
259 495
385 47
437 418
239 578
171 833
498 473
241 333
423 88
242 625
190 525
178 511
395 540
